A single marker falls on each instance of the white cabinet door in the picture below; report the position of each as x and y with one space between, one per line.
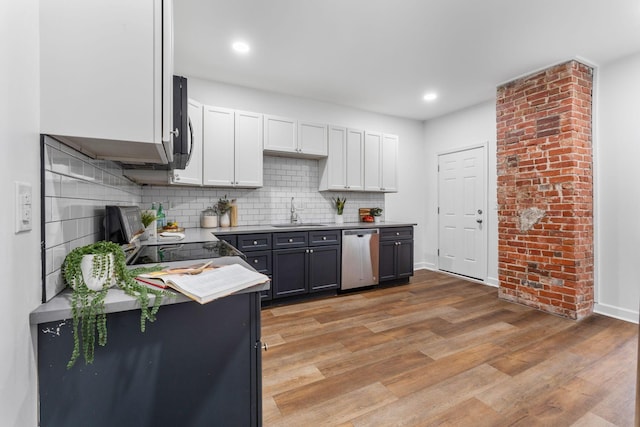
355 159
219 147
312 139
372 161
192 174
342 170
333 169
280 135
102 76
248 149
389 163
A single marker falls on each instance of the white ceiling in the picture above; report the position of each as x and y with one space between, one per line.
383 55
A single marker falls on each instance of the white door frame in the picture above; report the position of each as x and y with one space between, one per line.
485 160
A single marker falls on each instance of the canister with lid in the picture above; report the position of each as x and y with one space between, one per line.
209 218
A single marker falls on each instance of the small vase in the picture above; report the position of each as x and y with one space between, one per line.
339 219
225 221
103 279
376 220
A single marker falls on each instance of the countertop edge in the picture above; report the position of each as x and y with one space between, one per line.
59 307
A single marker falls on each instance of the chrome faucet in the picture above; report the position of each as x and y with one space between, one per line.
294 213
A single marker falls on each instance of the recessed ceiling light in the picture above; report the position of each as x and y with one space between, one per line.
241 47
430 96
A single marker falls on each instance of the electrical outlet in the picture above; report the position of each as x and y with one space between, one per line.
24 213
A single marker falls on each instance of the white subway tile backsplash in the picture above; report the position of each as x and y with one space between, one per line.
75 192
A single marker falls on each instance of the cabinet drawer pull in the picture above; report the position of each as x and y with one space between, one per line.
324 237
310 251
255 242
255 261
398 233
290 240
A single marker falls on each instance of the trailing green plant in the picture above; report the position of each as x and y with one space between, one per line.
147 217
375 211
87 305
339 204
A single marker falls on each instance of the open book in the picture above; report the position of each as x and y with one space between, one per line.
207 285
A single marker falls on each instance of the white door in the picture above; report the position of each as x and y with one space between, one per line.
462 229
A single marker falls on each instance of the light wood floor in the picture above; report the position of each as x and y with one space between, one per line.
443 351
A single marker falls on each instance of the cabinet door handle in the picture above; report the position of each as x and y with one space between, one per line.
255 261
397 234
290 240
324 237
255 242
310 251
175 133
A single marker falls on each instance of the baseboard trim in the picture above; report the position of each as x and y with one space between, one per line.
616 312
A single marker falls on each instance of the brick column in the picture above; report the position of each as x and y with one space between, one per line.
545 190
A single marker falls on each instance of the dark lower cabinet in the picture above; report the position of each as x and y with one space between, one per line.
396 253
196 365
303 270
289 272
324 268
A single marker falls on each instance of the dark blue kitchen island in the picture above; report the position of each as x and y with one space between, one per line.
196 365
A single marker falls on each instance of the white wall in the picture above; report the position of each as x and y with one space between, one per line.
617 180
465 128
19 253
406 205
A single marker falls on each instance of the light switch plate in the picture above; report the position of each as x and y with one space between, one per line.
24 206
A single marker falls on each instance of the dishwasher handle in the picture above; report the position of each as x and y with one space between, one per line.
360 232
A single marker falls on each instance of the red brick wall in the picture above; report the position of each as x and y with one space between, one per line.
545 190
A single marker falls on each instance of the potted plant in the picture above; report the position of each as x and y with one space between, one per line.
224 206
90 271
147 218
339 205
376 213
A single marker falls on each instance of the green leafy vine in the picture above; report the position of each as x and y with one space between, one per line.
87 305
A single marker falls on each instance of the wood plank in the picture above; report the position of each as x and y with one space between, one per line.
443 351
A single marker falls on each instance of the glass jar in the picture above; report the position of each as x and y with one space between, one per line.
209 218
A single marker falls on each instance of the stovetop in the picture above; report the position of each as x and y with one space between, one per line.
168 252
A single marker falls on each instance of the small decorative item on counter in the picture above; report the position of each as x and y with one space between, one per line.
90 271
224 206
148 218
209 217
339 205
233 213
376 213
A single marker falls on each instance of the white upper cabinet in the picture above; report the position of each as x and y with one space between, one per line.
284 136
342 170
372 161
389 164
380 162
232 148
280 135
312 139
192 174
102 77
248 149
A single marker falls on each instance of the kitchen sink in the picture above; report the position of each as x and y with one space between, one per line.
298 224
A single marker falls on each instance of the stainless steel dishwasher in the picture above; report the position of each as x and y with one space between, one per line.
360 250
